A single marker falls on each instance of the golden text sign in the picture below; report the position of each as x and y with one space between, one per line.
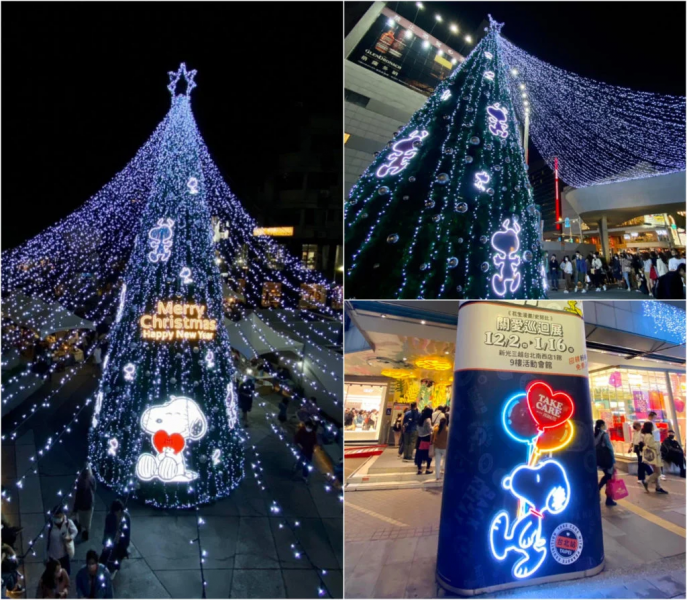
178 321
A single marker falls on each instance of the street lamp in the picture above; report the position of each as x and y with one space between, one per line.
419 5
468 39
453 27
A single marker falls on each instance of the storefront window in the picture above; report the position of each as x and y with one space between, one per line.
622 396
677 387
364 407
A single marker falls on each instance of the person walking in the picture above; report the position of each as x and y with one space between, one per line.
10 572
246 392
83 501
636 446
674 260
306 440
661 264
616 269
410 423
553 272
657 437
397 428
424 442
597 273
440 444
626 266
61 534
93 580
651 454
567 268
672 452
116 537
54 583
581 268
605 457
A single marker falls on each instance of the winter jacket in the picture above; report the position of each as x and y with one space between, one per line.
103 588
581 265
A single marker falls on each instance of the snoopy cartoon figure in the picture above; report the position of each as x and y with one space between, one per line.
506 243
160 239
498 120
170 425
403 152
544 488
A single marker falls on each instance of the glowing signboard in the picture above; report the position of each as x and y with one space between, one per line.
178 321
273 231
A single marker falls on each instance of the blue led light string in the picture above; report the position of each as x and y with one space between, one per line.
600 133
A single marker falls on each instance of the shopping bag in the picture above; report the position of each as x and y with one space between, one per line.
616 488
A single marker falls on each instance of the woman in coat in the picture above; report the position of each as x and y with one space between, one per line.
604 449
424 441
652 455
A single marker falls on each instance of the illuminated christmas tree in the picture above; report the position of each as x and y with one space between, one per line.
446 209
165 425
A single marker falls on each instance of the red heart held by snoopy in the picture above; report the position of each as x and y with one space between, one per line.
549 409
162 440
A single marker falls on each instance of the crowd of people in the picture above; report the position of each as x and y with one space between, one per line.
64 532
422 436
650 451
657 274
360 419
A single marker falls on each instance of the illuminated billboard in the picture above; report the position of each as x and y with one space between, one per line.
273 231
401 51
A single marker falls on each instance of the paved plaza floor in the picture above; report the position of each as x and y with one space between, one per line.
392 538
249 555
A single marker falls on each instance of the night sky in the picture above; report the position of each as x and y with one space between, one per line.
640 45
84 86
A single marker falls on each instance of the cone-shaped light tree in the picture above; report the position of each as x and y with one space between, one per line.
165 424
446 209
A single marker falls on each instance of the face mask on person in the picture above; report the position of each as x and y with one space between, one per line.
308 429
671 436
57 520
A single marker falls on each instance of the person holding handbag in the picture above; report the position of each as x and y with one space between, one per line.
605 457
410 423
61 534
424 442
397 428
651 454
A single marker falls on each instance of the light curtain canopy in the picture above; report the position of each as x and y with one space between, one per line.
600 133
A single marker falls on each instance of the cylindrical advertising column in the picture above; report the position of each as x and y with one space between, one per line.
521 497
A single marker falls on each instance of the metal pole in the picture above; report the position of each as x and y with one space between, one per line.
527 137
558 201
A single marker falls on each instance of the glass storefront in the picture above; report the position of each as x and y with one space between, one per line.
622 396
363 410
677 387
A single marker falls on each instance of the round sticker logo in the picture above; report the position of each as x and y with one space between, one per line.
566 543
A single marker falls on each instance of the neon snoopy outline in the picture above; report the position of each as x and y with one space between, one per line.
508 277
498 116
161 238
523 536
481 178
403 152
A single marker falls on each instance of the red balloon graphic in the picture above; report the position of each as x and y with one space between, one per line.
555 438
679 405
549 409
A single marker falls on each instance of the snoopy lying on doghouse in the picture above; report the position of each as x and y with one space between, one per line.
170 426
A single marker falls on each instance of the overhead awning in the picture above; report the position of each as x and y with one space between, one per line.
41 317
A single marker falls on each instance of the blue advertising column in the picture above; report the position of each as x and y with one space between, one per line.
521 498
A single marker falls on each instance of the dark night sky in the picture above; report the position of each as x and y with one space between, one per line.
84 86
640 45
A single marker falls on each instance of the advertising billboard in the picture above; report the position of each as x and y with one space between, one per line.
401 51
521 499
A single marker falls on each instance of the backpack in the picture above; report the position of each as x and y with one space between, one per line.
604 458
